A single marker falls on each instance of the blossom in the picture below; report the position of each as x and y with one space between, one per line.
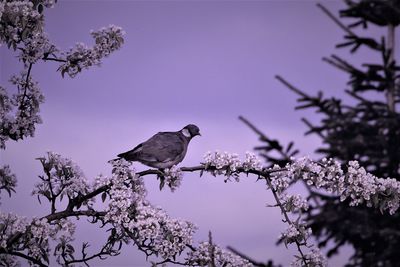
8 180
63 178
108 39
354 184
165 236
173 177
206 253
20 20
313 259
251 162
128 210
22 123
293 203
295 232
14 223
36 47
230 164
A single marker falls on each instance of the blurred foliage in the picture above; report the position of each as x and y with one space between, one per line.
368 130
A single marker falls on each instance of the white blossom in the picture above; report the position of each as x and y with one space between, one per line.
8 180
354 184
63 178
129 211
313 259
206 253
36 47
229 164
108 40
173 177
251 162
11 225
22 123
20 20
293 203
295 232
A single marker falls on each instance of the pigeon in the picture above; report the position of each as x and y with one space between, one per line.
164 149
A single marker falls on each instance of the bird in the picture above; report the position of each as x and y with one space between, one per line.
164 149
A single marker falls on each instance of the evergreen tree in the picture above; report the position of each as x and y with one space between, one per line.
367 131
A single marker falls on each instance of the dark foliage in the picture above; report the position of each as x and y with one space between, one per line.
367 131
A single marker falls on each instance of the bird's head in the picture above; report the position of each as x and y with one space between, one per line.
190 131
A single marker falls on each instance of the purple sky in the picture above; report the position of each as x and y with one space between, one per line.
202 62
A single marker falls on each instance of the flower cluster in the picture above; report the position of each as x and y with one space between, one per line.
35 234
108 39
222 160
62 178
251 162
36 47
82 57
12 224
293 203
153 230
8 180
162 235
296 232
230 164
28 99
19 20
313 259
126 188
9 260
37 240
207 254
65 230
355 183
173 177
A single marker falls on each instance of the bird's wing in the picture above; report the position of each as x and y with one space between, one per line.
162 147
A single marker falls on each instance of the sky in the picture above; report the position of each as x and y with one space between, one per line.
200 62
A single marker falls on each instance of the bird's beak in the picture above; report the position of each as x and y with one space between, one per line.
199 134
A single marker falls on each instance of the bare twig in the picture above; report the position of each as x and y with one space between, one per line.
291 87
337 21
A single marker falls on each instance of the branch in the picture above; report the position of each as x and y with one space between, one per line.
274 145
79 200
337 21
105 251
22 104
291 87
278 201
54 59
26 257
68 213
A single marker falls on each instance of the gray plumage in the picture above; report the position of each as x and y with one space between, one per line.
164 149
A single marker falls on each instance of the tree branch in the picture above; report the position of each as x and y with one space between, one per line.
22 103
337 21
26 257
